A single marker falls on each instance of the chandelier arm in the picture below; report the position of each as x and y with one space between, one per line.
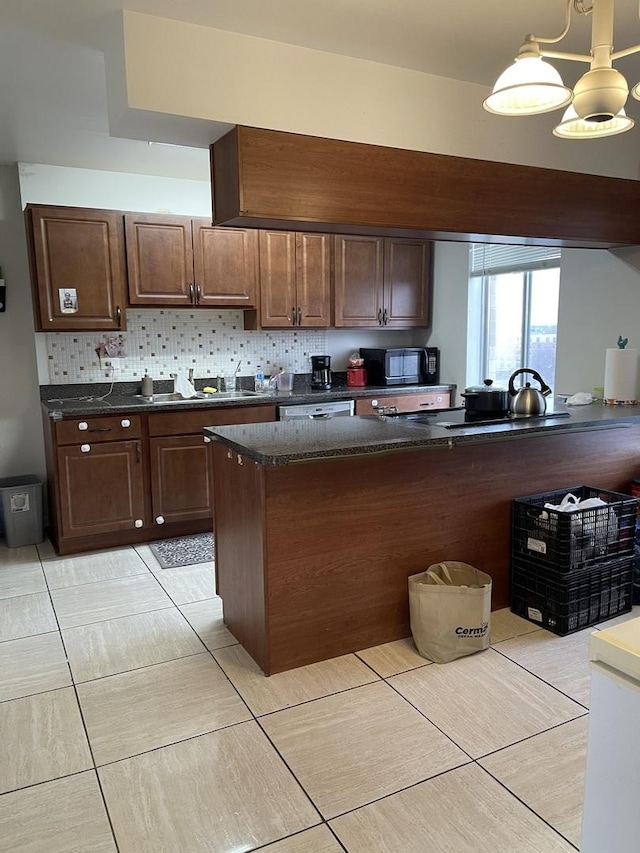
573 57
627 51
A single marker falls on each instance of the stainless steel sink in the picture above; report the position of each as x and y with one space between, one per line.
176 399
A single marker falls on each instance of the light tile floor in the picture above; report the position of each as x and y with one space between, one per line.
131 721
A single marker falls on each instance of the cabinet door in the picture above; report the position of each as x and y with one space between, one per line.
181 483
407 273
226 265
313 280
277 278
77 268
101 488
358 281
159 259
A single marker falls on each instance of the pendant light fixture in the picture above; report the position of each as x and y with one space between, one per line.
532 86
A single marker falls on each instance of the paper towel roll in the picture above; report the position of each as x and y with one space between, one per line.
621 376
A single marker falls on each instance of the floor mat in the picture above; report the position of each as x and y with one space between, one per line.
183 550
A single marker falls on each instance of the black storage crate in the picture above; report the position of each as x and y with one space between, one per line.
564 602
564 541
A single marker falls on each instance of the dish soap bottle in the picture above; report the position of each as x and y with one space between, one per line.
147 385
259 379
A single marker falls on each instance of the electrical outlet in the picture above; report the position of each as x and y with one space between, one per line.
115 367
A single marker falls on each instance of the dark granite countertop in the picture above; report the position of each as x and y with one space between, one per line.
284 442
66 401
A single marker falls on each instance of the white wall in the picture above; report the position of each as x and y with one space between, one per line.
21 443
40 184
211 75
599 300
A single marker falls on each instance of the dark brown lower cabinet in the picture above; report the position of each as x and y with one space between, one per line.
132 478
181 479
101 487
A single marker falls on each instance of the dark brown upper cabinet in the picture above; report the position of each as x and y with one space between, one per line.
182 261
77 263
295 281
381 282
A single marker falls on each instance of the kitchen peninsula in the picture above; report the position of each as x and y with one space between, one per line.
318 524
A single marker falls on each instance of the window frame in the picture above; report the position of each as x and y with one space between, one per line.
499 262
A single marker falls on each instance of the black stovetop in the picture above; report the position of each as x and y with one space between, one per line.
459 418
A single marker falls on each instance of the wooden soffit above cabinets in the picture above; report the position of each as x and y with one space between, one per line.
271 179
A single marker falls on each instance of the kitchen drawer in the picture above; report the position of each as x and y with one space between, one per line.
192 422
110 428
405 402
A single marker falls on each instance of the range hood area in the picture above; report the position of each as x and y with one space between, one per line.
272 179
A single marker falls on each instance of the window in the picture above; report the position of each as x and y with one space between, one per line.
513 311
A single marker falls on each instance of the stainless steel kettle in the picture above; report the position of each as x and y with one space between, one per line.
528 402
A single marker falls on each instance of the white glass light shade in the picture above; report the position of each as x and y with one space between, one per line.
600 94
574 127
636 92
528 87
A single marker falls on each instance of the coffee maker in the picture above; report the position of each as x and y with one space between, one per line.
321 372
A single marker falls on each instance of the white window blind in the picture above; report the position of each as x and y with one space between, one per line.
490 259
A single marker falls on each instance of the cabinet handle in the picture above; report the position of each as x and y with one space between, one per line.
159 519
198 294
138 523
85 448
118 317
293 315
299 316
207 440
125 423
379 316
192 297
83 425
385 317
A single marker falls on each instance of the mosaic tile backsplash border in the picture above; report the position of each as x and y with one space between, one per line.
168 341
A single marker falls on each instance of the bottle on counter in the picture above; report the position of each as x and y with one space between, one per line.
147 385
259 378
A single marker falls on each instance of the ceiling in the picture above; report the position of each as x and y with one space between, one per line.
53 104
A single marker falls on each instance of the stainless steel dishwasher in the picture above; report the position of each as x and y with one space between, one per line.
319 411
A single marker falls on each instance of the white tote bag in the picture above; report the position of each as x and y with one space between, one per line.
450 609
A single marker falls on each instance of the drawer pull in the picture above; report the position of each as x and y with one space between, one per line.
159 519
207 440
125 423
138 522
83 425
85 448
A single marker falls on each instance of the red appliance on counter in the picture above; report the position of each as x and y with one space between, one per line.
356 377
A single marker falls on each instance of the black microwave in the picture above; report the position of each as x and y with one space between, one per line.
402 365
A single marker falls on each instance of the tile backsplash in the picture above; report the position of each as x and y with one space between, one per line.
166 341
